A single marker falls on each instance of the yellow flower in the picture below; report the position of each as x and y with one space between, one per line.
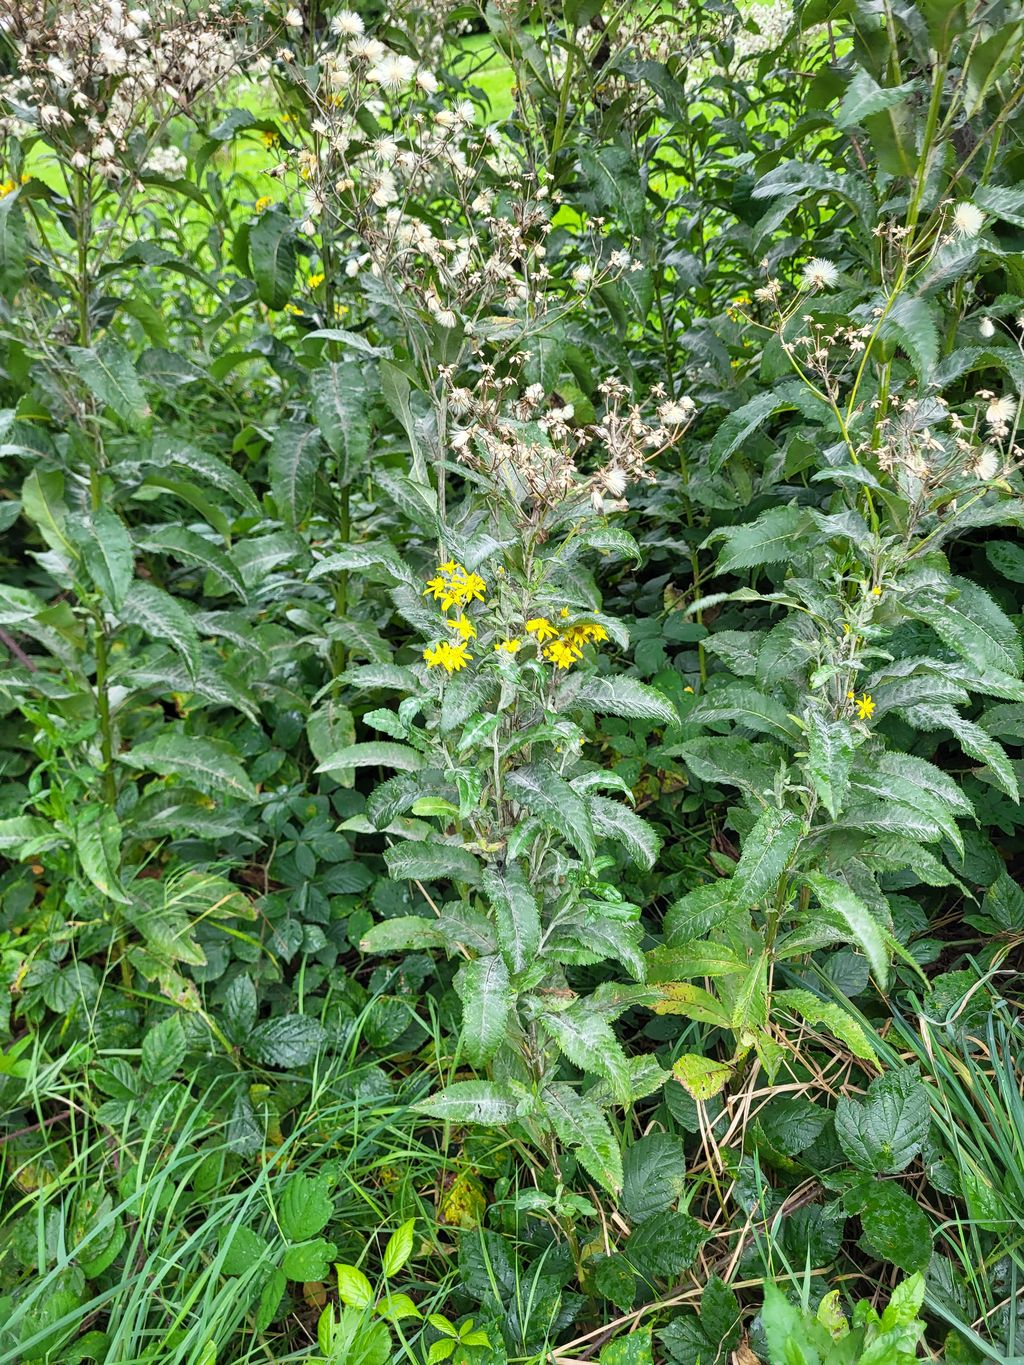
584 633
455 586
270 139
564 613
876 592
263 202
294 309
316 279
6 188
465 627
850 696
447 656
562 655
340 309
542 628
509 646
865 707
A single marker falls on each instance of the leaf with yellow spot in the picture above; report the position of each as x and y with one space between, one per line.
702 1077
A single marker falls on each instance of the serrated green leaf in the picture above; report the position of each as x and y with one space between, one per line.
98 843
377 753
108 554
293 460
163 1050
400 1247
309 1261
26 831
590 1043
814 1010
893 1227
771 539
746 706
516 915
338 399
766 854
189 547
427 862
616 821
830 747
482 985
163 617
305 1207
654 1175
583 1128
885 1130
354 1289
624 696
542 792
402 934
108 371
273 254
289 1040
850 913
484 1102
208 764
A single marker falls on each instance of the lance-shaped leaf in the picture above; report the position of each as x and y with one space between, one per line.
273 254
98 841
589 1042
746 706
107 550
973 739
377 753
162 616
829 755
432 862
483 987
627 697
972 624
849 913
485 1102
616 821
550 798
813 1010
767 851
108 371
773 538
182 455
211 765
25 835
516 915
189 547
338 399
293 460
583 1128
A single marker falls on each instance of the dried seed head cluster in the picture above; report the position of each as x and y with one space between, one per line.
530 443
94 75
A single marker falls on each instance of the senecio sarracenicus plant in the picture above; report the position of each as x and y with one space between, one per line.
860 652
514 823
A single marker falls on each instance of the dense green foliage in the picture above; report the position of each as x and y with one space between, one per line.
512 682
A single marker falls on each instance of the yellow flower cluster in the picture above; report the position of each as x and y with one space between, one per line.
566 646
9 186
316 279
263 202
447 656
455 586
